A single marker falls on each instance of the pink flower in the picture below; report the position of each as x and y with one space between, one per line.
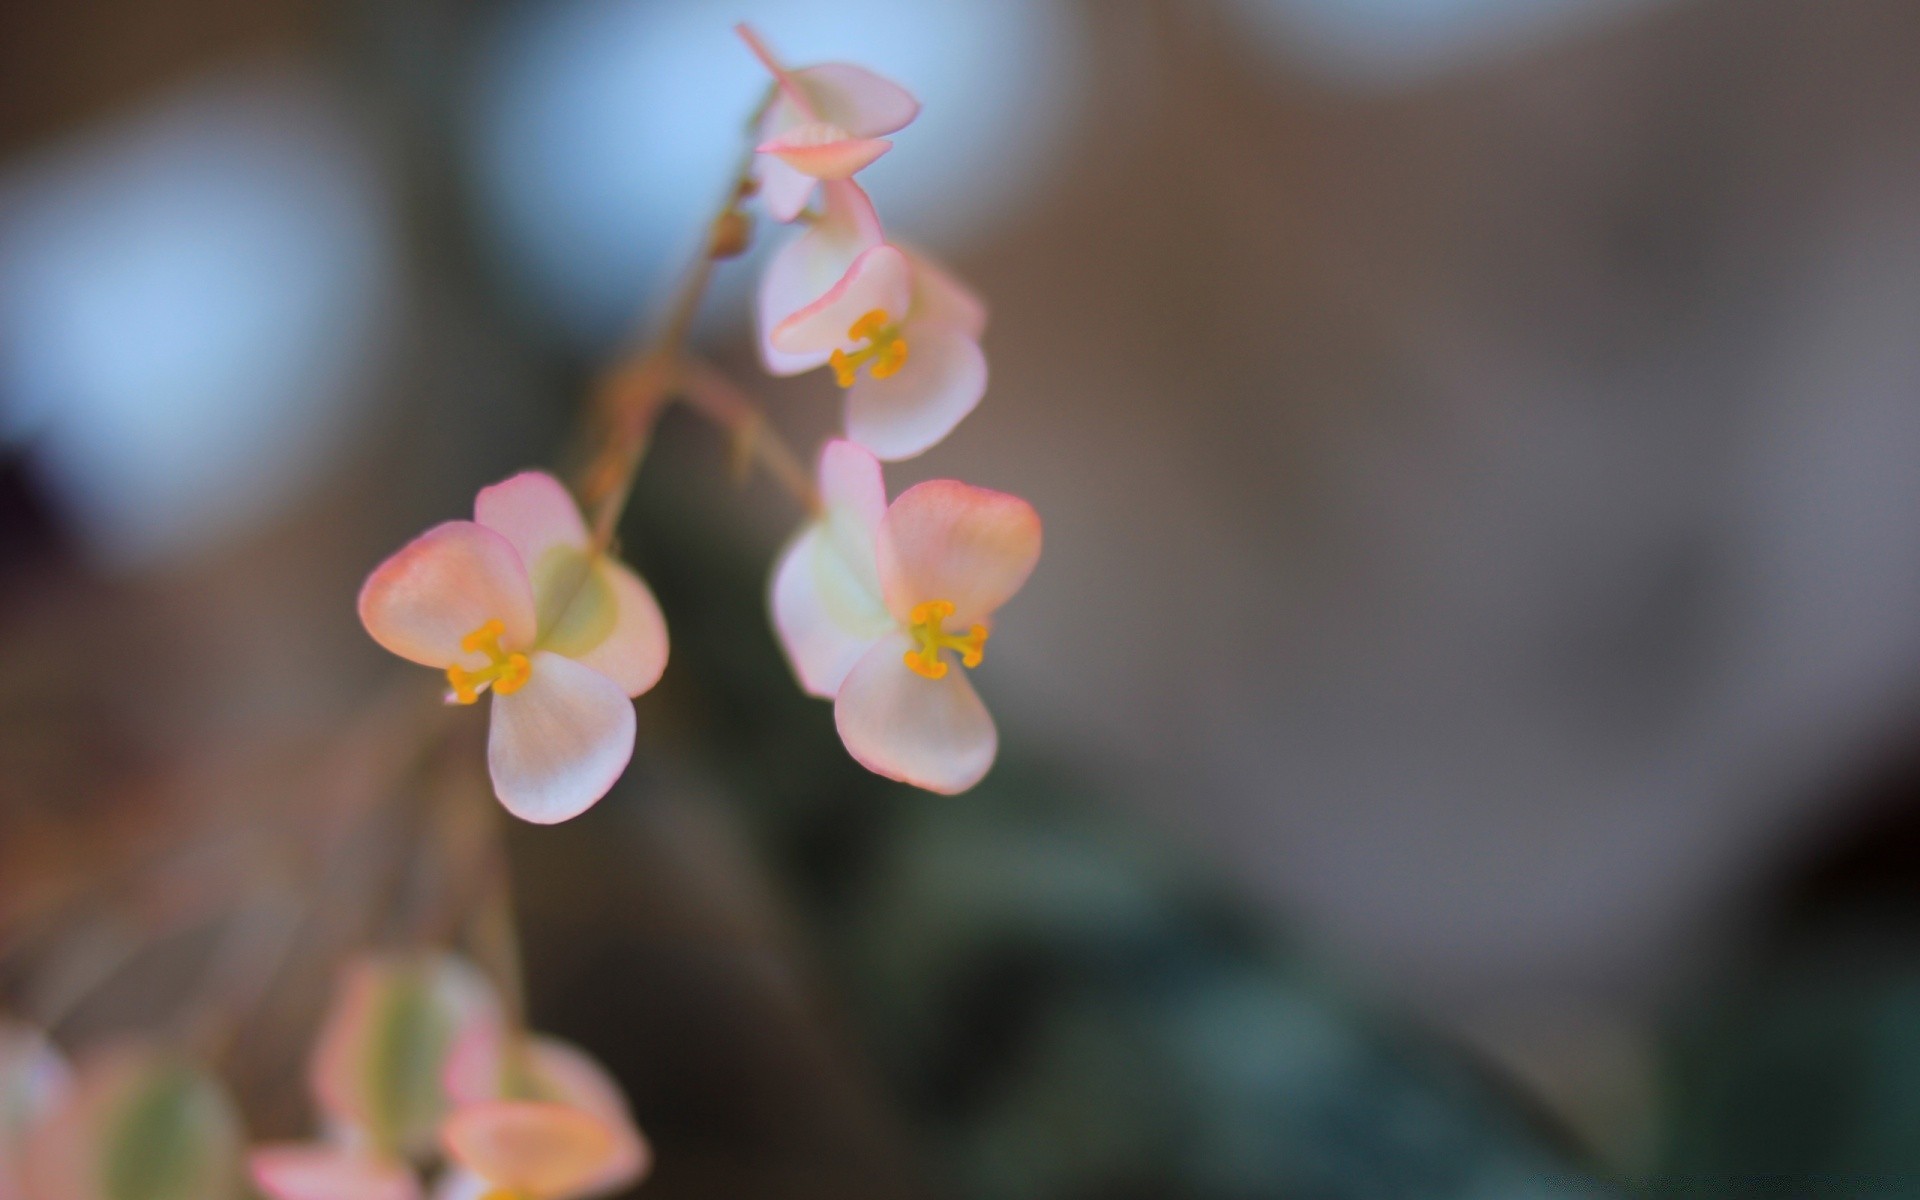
516 602
875 604
822 123
537 1117
901 334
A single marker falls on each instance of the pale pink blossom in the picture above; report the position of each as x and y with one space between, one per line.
902 336
822 123
876 604
316 1171
517 603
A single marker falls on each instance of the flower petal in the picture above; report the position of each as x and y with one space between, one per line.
857 100
910 410
932 733
784 189
821 151
946 540
140 1120
826 587
940 298
879 279
633 652
296 1171
442 586
553 1151
535 512
808 266
560 741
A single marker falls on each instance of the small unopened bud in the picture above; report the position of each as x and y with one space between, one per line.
731 235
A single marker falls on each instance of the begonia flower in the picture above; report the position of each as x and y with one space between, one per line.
34 1081
138 1121
537 1118
378 1066
823 123
516 603
810 264
903 338
875 605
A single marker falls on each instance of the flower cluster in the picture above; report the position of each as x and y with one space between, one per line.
417 1069
875 604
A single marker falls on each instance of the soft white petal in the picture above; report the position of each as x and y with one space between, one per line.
535 512
633 652
910 411
940 298
559 742
878 280
825 618
932 733
857 100
783 189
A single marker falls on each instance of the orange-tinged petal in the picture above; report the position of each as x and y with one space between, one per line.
560 742
443 585
931 733
909 411
310 1171
549 1151
878 281
945 540
807 267
568 1075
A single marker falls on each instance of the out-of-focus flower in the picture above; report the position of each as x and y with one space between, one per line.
874 603
517 602
903 337
823 122
312 1171
34 1081
139 1122
378 1066
538 1118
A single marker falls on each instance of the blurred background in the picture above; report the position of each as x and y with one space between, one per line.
1460 740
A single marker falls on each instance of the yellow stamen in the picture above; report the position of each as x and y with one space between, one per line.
884 353
924 627
505 673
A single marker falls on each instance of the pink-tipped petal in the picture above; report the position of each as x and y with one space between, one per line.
633 652
443 585
910 411
535 512
879 280
821 151
946 540
559 742
941 299
551 1151
295 1171
857 100
568 1075
931 733
807 267
826 588
784 189
137 1113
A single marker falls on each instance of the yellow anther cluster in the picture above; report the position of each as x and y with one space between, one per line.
925 627
504 673
884 353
